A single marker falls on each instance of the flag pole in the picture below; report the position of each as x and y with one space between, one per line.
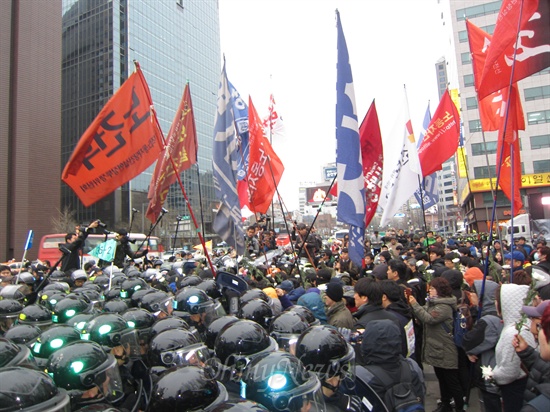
486 268
420 186
200 197
163 144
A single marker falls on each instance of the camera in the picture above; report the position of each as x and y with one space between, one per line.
101 224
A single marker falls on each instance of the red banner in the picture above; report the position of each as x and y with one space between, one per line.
264 167
373 160
509 177
182 147
441 138
123 141
532 53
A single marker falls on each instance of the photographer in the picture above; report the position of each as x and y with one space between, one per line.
73 244
123 249
251 242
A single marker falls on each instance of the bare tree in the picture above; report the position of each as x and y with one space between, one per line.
65 221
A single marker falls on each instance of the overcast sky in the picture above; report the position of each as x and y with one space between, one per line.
288 48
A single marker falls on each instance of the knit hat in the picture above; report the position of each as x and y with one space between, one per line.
380 271
335 291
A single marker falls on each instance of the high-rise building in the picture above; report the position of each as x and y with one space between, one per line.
30 130
175 42
477 198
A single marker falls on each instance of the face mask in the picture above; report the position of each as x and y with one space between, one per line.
536 256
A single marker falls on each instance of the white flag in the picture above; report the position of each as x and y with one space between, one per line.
273 122
402 181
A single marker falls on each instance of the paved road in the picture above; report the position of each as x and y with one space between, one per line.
432 392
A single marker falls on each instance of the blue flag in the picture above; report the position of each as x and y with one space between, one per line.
30 237
225 153
105 251
240 112
351 182
429 183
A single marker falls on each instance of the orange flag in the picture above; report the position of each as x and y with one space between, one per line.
122 141
511 139
182 147
264 167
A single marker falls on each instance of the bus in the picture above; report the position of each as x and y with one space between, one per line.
49 245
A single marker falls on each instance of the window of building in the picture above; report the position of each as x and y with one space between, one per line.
468 80
471 103
474 125
541 166
482 172
447 191
538 117
449 199
540 142
449 183
535 93
465 58
482 148
502 200
476 11
463 36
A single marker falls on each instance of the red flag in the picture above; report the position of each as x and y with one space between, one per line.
373 160
533 44
372 155
490 106
264 167
441 139
182 147
510 140
122 141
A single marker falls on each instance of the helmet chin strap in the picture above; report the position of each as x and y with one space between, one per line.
329 386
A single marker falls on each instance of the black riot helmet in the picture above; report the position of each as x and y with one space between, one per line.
102 281
12 354
191 280
187 388
170 322
51 340
111 330
51 298
31 391
113 293
138 295
257 310
82 366
286 328
36 315
10 309
280 382
142 321
211 288
240 406
326 352
193 301
214 329
177 347
306 313
129 286
240 342
157 302
19 293
23 334
79 321
253 294
115 305
67 307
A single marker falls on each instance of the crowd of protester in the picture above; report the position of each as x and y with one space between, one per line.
293 328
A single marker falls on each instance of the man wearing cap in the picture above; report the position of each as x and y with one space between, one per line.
518 259
123 249
337 313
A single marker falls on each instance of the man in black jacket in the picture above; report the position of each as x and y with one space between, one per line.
123 249
73 245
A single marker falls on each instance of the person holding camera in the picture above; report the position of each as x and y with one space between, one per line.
73 244
123 249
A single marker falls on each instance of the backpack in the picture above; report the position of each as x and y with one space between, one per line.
462 321
400 396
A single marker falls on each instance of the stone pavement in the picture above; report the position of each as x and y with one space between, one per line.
432 392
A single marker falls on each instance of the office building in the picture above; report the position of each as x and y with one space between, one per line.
174 41
30 129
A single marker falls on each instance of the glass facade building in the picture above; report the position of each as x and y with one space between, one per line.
175 42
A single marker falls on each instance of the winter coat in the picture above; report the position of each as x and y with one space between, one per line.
439 349
295 294
489 293
481 342
508 364
339 316
539 372
380 346
314 302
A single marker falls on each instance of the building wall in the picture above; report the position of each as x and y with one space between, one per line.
30 96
